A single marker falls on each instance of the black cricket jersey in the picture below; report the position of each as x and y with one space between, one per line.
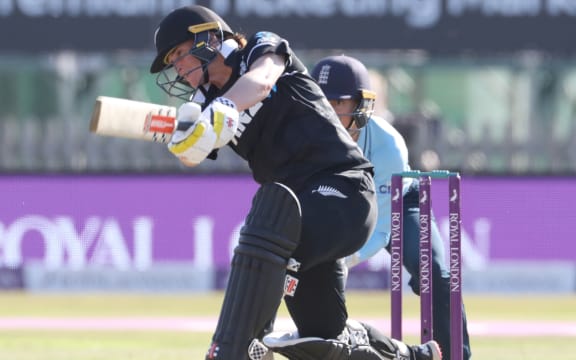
293 134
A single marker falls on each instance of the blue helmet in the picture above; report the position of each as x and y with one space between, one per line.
343 77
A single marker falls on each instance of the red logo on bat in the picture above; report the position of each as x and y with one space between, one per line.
159 124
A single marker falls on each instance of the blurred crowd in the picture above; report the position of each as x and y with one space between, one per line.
514 117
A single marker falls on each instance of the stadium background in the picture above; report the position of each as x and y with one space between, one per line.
482 87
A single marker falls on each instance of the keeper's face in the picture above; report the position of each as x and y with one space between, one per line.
344 108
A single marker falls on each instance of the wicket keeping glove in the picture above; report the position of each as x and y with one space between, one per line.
213 128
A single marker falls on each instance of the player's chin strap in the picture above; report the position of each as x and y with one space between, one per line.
357 342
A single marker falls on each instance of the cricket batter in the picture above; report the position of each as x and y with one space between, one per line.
316 203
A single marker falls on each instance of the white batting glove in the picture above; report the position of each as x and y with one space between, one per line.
211 129
193 145
224 118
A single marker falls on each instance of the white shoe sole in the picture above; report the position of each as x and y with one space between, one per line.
435 350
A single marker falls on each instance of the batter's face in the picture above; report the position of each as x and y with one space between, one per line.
187 66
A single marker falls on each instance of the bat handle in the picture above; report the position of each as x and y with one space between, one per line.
184 125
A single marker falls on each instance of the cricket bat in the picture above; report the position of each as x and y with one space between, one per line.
132 119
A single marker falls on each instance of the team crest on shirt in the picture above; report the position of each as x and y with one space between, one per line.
326 190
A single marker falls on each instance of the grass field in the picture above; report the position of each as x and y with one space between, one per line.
153 344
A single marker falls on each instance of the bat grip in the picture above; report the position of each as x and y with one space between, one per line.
184 125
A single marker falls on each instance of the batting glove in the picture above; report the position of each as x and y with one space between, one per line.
212 129
224 118
194 144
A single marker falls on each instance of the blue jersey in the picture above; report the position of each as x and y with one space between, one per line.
386 149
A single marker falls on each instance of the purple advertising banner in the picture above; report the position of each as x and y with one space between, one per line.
121 221
133 222
514 218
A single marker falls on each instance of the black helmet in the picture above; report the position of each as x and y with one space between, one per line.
182 24
343 77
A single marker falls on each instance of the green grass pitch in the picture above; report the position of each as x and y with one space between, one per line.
150 344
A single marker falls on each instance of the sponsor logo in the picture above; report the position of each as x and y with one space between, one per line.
396 195
293 265
245 119
290 285
159 124
385 189
454 195
424 197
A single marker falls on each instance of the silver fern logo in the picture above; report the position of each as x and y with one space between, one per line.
326 190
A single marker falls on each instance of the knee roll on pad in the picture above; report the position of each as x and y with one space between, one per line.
274 221
256 282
